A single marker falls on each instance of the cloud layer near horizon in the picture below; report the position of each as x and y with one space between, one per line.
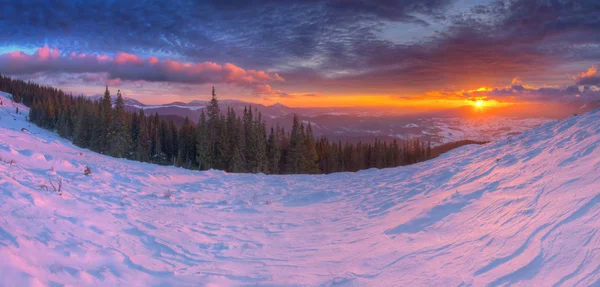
129 67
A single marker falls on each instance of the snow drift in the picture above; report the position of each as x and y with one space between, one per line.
521 211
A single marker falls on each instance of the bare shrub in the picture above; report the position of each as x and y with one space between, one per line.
57 188
10 162
87 170
168 194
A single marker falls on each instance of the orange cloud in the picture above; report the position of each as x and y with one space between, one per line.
592 71
516 81
591 77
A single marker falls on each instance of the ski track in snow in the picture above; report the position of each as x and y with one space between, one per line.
523 211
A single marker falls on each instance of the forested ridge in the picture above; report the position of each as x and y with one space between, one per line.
220 140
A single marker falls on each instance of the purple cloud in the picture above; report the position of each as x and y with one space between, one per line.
130 67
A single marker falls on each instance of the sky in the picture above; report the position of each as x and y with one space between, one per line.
410 53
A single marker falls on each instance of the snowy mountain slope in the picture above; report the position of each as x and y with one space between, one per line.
522 212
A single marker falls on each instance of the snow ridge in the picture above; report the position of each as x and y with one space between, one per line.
522 211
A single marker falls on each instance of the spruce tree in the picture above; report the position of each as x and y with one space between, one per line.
203 145
143 139
260 138
174 141
239 157
187 145
232 143
81 136
105 133
249 150
118 130
213 128
157 153
232 140
294 154
273 152
165 142
134 132
63 126
236 163
310 158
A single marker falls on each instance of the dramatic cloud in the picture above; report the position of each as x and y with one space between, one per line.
130 67
392 47
520 93
590 77
245 32
523 93
517 91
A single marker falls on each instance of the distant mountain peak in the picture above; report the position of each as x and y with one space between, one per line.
278 105
196 103
113 98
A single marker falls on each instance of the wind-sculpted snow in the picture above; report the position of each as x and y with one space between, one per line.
523 211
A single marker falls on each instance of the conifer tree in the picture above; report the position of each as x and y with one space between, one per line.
203 144
249 141
134 132
105 132
165 142
187 145
174 141
82 134
119 134
428 153
98 131
237 162
213 128
232 143
273 152
143 139
64 124
294 154
260 144
157 150
310 157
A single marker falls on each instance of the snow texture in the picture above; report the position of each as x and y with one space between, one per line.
523 211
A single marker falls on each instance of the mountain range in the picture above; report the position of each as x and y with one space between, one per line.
365 124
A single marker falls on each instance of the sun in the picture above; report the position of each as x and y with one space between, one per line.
479 103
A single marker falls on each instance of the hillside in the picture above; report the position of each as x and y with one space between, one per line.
523 211
369 123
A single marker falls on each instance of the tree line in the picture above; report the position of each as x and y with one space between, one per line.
220 140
